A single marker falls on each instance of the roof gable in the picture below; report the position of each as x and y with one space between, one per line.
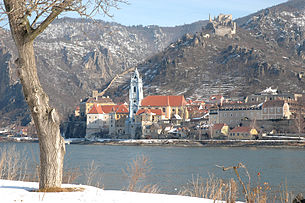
96 110
121 109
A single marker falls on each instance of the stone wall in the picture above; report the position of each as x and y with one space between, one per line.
280 125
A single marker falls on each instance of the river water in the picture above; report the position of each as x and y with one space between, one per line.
173 167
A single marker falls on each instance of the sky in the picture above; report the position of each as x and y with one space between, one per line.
179 12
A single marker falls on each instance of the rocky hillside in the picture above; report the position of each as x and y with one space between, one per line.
76 56
267 50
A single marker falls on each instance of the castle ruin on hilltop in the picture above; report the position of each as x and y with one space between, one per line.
222 25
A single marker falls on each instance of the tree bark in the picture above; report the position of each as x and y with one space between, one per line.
51 144
52 147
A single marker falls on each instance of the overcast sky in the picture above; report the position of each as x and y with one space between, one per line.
177 12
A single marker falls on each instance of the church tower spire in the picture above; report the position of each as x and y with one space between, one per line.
135 98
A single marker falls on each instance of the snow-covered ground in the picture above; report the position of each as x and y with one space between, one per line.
19 192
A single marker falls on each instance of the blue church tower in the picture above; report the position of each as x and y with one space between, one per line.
135 98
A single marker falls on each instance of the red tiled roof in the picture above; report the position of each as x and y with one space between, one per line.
108 108
96 110
274 103
242 129
150 111
115 108
160 100
218 126
121 109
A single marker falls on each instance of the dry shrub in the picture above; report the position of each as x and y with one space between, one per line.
283 195
70 175
136 172
259 193
211 188
13 164
91 175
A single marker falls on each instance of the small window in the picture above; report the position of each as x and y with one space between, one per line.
134 89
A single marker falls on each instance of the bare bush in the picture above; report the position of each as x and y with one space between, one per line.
211 188
137 171
13 164
70 175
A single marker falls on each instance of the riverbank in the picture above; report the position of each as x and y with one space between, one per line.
273 143
199 143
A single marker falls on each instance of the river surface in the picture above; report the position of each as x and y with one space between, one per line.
173 167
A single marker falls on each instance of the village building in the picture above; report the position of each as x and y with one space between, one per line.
149 123
219 131
270 94
275 109
173 106
88 103
102 120
118 119
243 133
233 114
96 121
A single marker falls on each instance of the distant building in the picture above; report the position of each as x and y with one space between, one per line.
270 94
106 120
233 114
219 131
243 133
172 106
275 109
95 121
222 25
135 98
148 122
118 120
88 103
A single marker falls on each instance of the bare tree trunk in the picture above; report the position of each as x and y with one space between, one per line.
52 147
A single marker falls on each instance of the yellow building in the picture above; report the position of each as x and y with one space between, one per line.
243 133
219 131
171 106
